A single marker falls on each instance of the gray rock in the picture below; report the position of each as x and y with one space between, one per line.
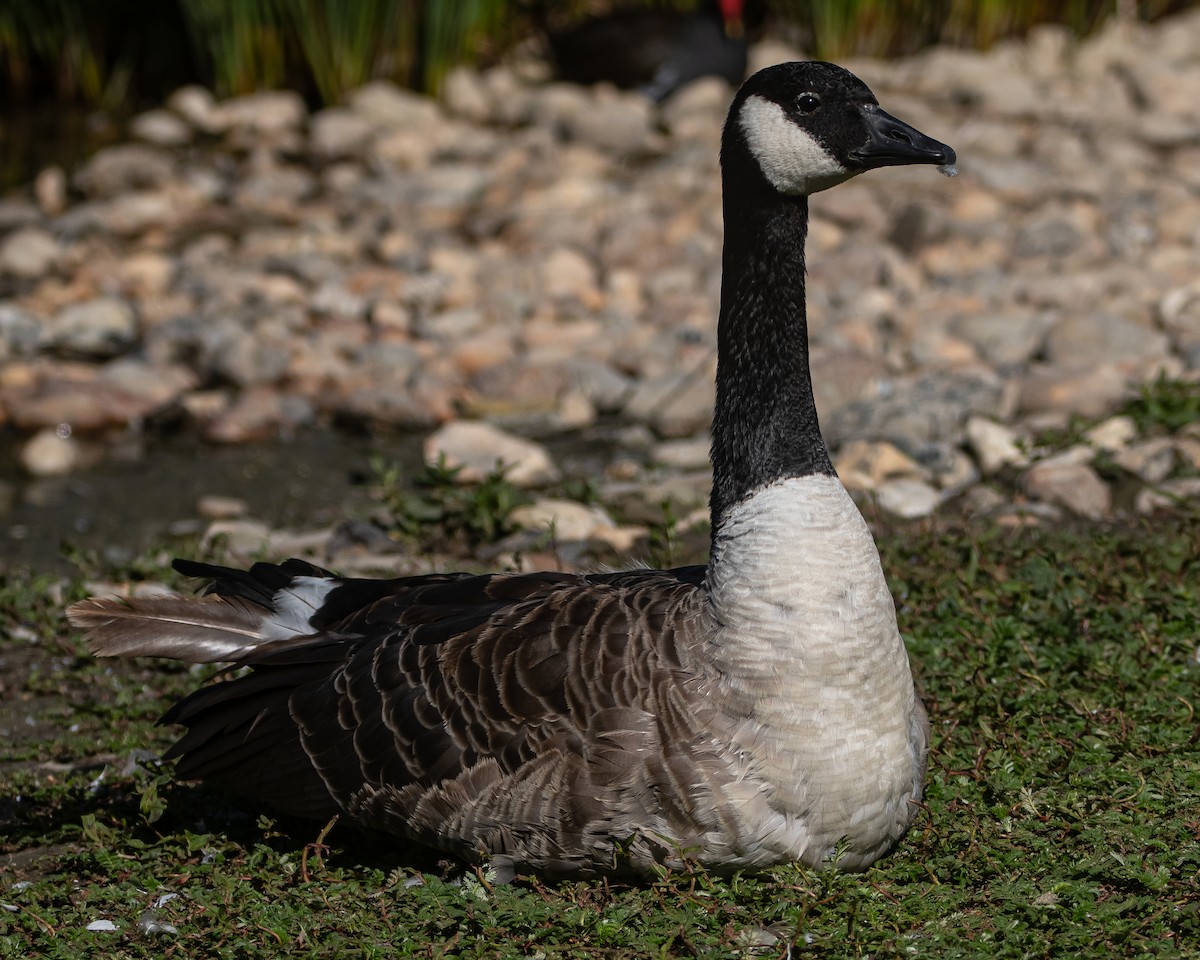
1151 460
1075 486
844 378
18 212
607 389
477 449
115 170
50 394
340 132
1169 495
239 537
510 98
565 519
134 213
245 358
51 453
1113 434
161 128
50 188
869 464
334 299
259 413
1053 236
620 125
217 507
994 445
384 104
1004 339
20 332
28 253
156 387
277 191
447 326
675 405
919 410
908 498
197 106
267 114
1089 392
466 95
100 328
691 454
950 469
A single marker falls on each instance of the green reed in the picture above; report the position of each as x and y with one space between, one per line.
67 49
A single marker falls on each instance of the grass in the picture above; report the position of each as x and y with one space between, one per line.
433 508
327 47
1165 405
1062 818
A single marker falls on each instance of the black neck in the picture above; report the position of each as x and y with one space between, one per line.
765 423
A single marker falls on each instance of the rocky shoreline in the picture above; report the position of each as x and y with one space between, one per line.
526 258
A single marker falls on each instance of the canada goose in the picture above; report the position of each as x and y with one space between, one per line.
750 712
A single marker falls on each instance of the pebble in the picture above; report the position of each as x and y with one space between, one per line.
50 188
51 453
1094 338
542 256
565 519
475 449
1150 460
162 128
28 254
994 445
1167 495
267 114
339 132
213 507
1085 392
119 169
908 498
1113 434
868 465
100 328
1075 486
20 332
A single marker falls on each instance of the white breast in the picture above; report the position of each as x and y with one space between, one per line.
813 672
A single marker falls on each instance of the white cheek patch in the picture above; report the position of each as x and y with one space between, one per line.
790 158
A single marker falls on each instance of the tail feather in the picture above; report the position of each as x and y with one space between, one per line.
208 629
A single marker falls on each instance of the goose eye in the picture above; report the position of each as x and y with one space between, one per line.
808 102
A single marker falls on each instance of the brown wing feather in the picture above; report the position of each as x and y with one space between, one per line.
198 630
479 714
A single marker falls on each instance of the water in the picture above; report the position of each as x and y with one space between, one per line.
121 507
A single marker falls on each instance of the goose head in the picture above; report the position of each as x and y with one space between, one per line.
808 126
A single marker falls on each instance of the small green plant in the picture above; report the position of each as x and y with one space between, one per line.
583 490
664 538
435 504
1165 404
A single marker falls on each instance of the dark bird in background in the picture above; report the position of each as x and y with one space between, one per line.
654 51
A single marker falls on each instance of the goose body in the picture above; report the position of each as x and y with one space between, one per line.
754 711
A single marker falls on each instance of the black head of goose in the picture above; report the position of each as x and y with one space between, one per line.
752 712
